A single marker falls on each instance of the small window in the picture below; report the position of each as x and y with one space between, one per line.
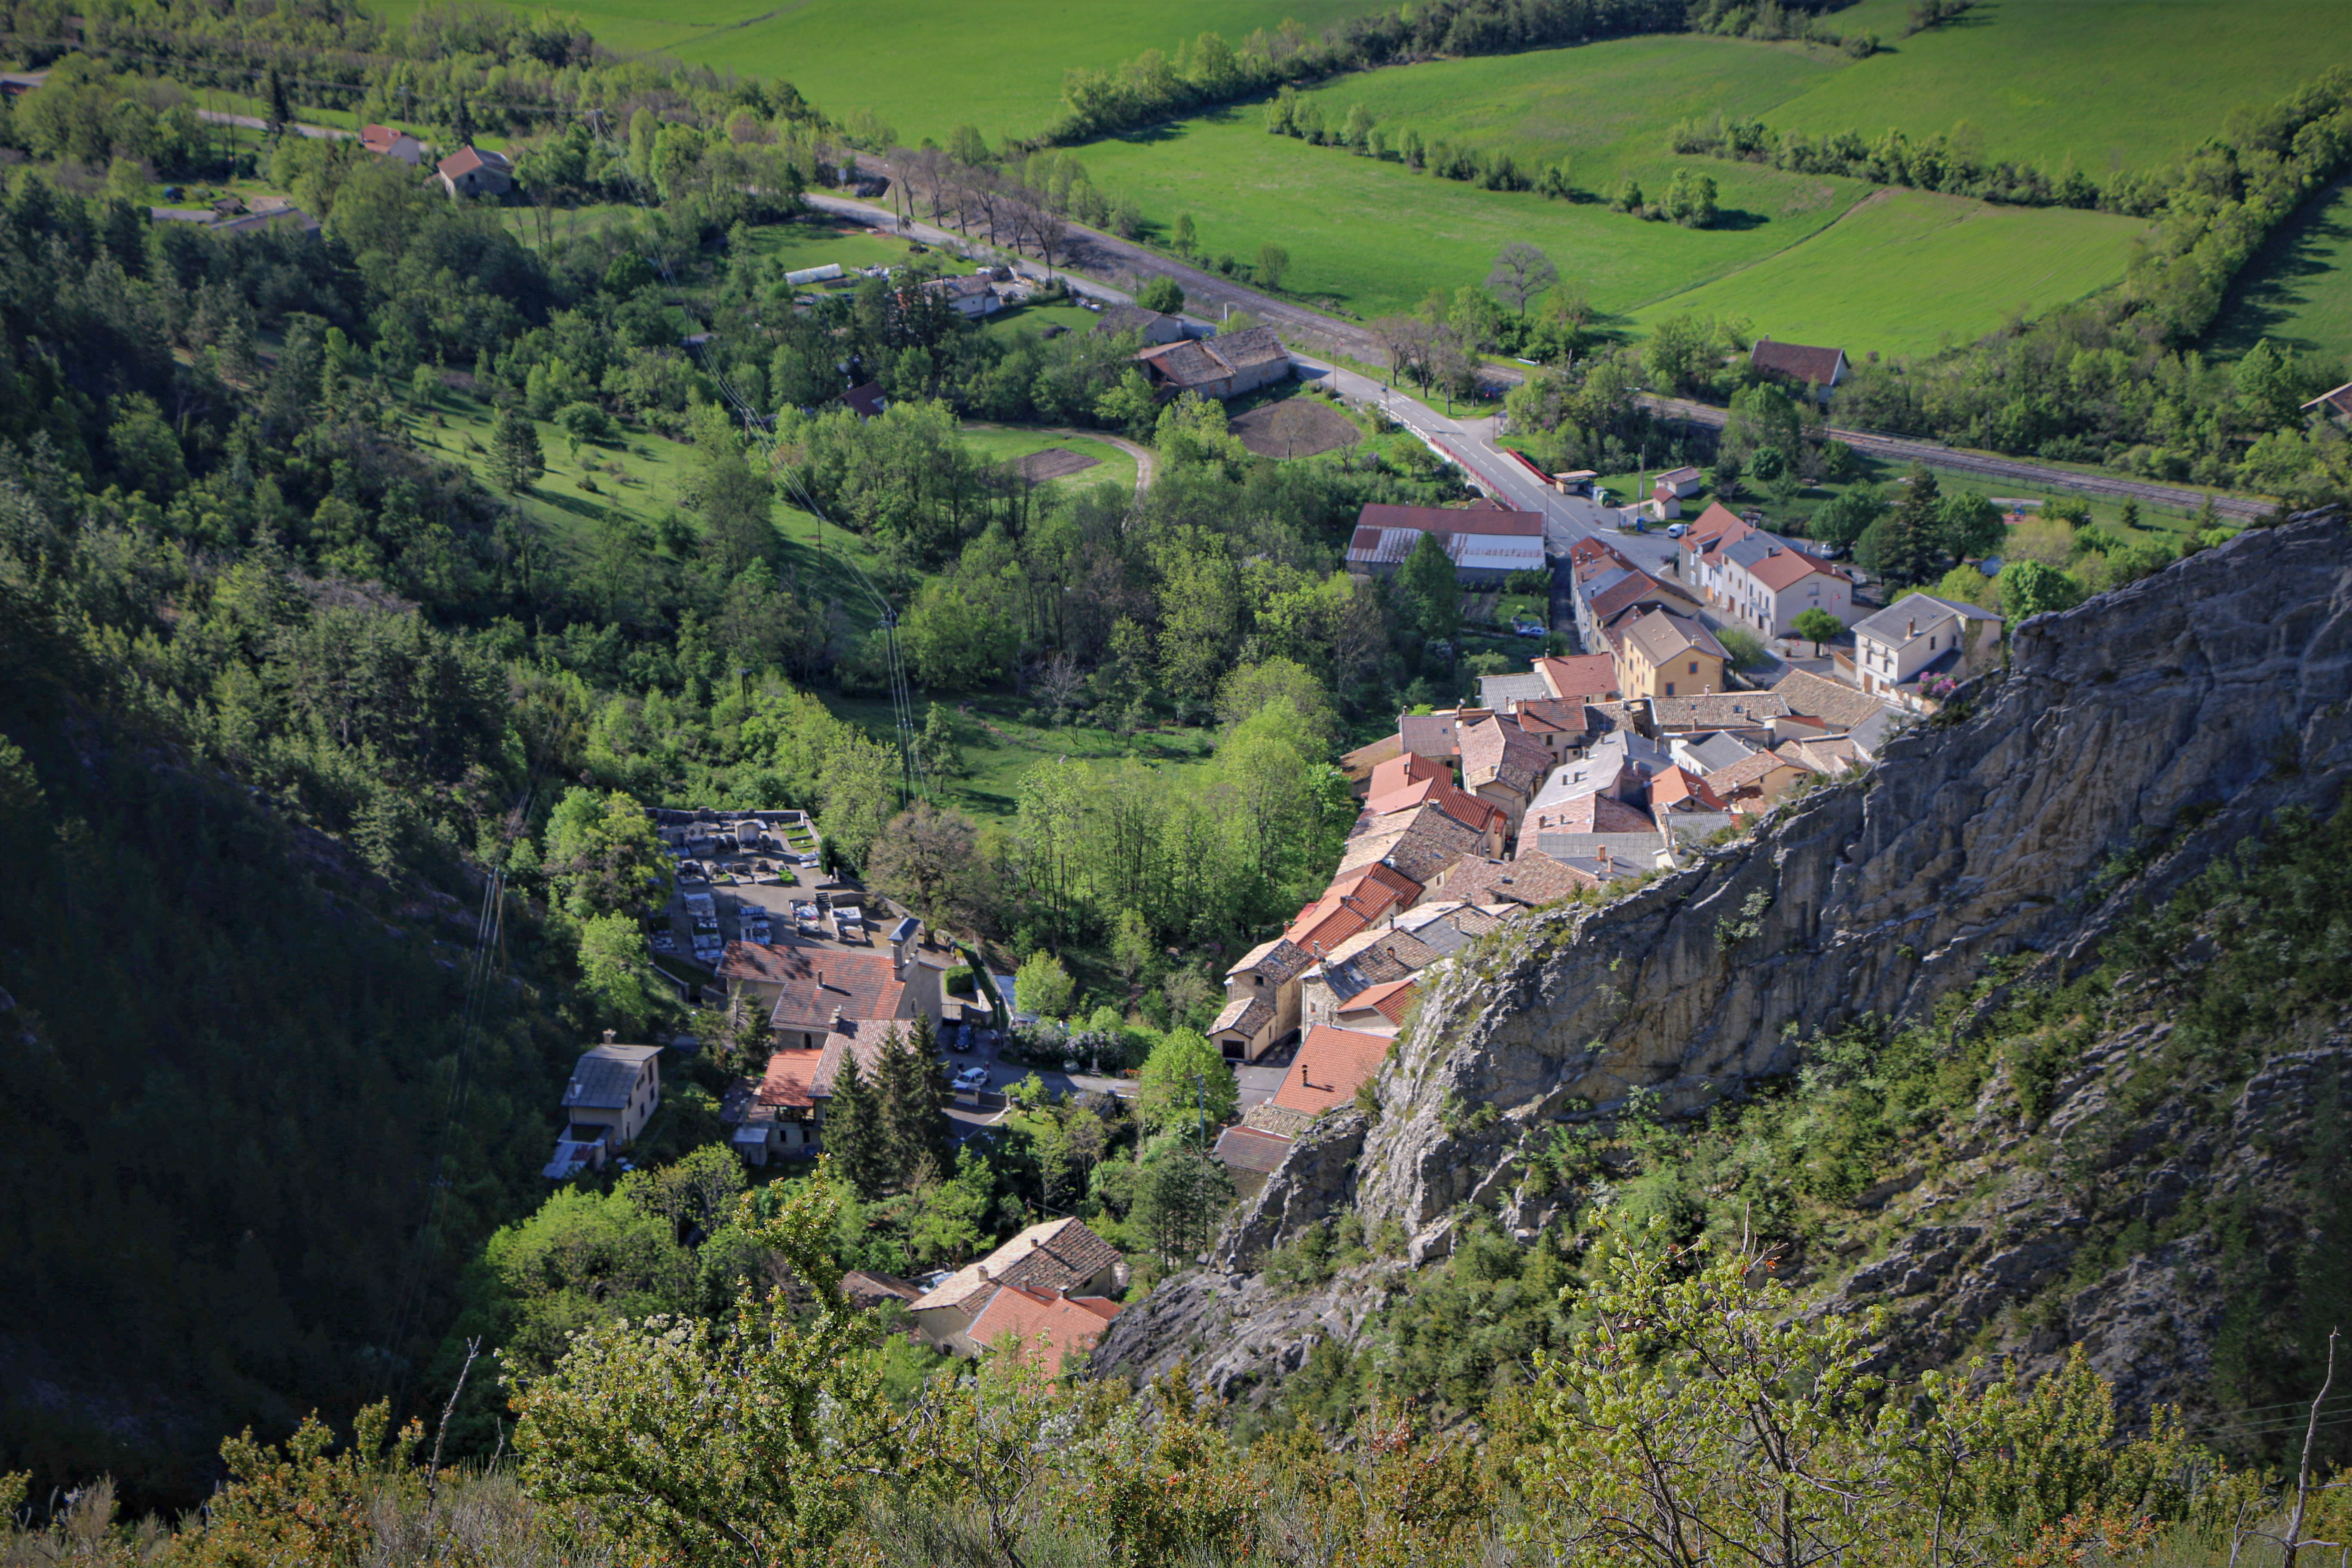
1670 689
1694 669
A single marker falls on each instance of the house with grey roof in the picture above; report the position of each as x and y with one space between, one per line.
1218 367
614 1092
1152 326
1918 638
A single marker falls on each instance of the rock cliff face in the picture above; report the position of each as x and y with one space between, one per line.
2126 743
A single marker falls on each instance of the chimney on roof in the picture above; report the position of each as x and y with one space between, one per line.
1604 857
610 1034
1912 630
983 1270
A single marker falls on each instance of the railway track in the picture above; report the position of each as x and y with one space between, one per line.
1961 460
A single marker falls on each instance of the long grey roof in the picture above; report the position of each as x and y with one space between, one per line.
1499 691
604 1078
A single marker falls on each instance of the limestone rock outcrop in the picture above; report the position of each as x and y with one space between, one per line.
2125 743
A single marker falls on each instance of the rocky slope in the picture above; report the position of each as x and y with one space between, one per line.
2128 743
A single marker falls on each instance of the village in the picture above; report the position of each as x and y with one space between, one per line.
1592 770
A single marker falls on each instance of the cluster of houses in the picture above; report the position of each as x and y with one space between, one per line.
1050 1288
471 171
1586 769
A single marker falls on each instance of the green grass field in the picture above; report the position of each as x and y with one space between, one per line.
2117 84
1608 106
1908 272
1373 237
814 241
924 66
657 467
1002 738
2298 291
999 444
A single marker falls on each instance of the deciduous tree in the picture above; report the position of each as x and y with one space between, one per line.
1521 272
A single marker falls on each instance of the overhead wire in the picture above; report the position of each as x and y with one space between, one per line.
490 942
913 780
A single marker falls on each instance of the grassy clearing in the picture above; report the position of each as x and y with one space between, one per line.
1373 238
574 520
2298 291
1909 272
814 241
999 444
1018 319
1003 739
2116 84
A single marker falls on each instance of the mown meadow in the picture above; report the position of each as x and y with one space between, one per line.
2298 291
2114 84
1906 272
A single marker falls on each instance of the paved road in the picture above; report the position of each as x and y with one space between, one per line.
1903 449
1469 440
255 122
1210 294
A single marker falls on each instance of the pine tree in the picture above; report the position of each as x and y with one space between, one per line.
917 1122
464 122
855 1133
514 455
281 108
1903 546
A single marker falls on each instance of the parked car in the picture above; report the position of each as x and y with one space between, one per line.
973 1078
1676 530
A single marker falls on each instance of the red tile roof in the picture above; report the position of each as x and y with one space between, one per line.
1352 902
1410 768
1252 1148
1390 1001
1479 815
1371 884
791 1079
814 984
1814 366
1675 785
1786 568
466 160
1591 551
1050 1326
1330 1064
1579 676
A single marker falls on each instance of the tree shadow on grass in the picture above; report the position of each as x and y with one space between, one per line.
2301 254
578 506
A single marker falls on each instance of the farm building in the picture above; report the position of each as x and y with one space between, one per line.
1217 367
470 171
1486 543
968 295
386 141
1153 326
1794 363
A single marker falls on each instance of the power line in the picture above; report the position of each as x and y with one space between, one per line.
912 782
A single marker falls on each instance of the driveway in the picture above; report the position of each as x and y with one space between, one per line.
255 122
